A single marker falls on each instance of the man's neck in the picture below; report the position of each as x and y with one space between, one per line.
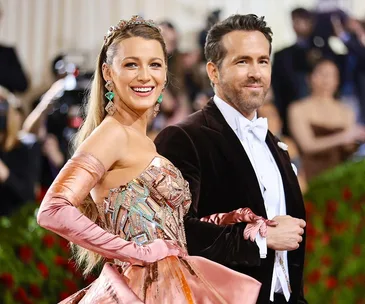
250 116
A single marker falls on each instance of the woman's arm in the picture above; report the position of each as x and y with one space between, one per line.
299 125
59 213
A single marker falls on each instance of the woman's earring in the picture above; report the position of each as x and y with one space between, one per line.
156 109
110 107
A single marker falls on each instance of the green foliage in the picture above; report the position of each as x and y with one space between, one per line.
35 264
335 266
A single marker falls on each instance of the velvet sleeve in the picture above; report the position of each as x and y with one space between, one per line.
222 244
59 214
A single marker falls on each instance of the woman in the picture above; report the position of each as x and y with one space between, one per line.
324 128
133 217
19 158
269 110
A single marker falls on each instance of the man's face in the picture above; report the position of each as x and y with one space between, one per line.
243 79
302 26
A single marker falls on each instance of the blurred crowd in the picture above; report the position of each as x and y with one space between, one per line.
316 104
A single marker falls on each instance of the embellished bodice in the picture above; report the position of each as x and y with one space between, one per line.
149 207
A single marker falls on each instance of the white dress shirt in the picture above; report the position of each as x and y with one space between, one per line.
271 185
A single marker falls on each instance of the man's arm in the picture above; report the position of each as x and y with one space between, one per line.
223 244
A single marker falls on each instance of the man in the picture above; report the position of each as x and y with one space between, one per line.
292 64
231 161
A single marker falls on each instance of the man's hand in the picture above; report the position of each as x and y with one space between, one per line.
287 234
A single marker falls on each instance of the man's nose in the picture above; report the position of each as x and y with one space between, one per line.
254 72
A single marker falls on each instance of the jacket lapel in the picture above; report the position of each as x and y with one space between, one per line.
293 197
225 139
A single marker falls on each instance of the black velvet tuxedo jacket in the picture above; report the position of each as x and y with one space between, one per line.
222 179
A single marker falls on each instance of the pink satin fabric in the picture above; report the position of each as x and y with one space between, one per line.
58 214
256 224
193 280
155 274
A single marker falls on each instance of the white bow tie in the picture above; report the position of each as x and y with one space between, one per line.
257 127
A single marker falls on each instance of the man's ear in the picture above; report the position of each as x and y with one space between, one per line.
107 73
213 73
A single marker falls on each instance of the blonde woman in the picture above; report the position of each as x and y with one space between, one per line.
119 201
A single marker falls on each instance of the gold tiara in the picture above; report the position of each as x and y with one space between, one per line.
135 20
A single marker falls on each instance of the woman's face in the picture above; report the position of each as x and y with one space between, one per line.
325 78
138 72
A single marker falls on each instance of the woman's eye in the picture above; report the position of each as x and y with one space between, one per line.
156 65
242 62
131 65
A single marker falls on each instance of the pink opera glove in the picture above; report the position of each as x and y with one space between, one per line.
59 214
255 223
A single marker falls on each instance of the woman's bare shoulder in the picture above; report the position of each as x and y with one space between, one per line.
108 143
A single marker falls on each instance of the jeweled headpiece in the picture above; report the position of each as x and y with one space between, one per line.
122 24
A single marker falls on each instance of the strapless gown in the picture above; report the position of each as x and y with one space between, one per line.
149 207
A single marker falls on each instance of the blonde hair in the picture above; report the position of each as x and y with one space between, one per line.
95 114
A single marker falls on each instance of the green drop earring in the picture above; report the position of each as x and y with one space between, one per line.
156 109
110 107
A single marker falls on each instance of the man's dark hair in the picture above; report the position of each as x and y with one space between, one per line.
301 13
214 49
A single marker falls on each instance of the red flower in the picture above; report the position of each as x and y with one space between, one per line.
331 282
314 276
7 279
35 291
71 266
341 227
310 246
325 239
25 254
64 295
309 207
331 206
41 194
311 231
326 260
346 194
21 296
64 245
60 261
49 240
89 279
70 285
43 269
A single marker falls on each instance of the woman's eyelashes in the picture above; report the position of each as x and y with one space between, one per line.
133 65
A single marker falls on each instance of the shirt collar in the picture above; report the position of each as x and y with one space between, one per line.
231 115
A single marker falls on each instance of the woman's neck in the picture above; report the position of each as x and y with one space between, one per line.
133 120
323 97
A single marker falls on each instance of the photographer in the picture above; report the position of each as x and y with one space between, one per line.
56 117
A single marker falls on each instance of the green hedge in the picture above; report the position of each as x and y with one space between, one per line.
35 265
335 263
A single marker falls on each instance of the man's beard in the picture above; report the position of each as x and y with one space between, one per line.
245 102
